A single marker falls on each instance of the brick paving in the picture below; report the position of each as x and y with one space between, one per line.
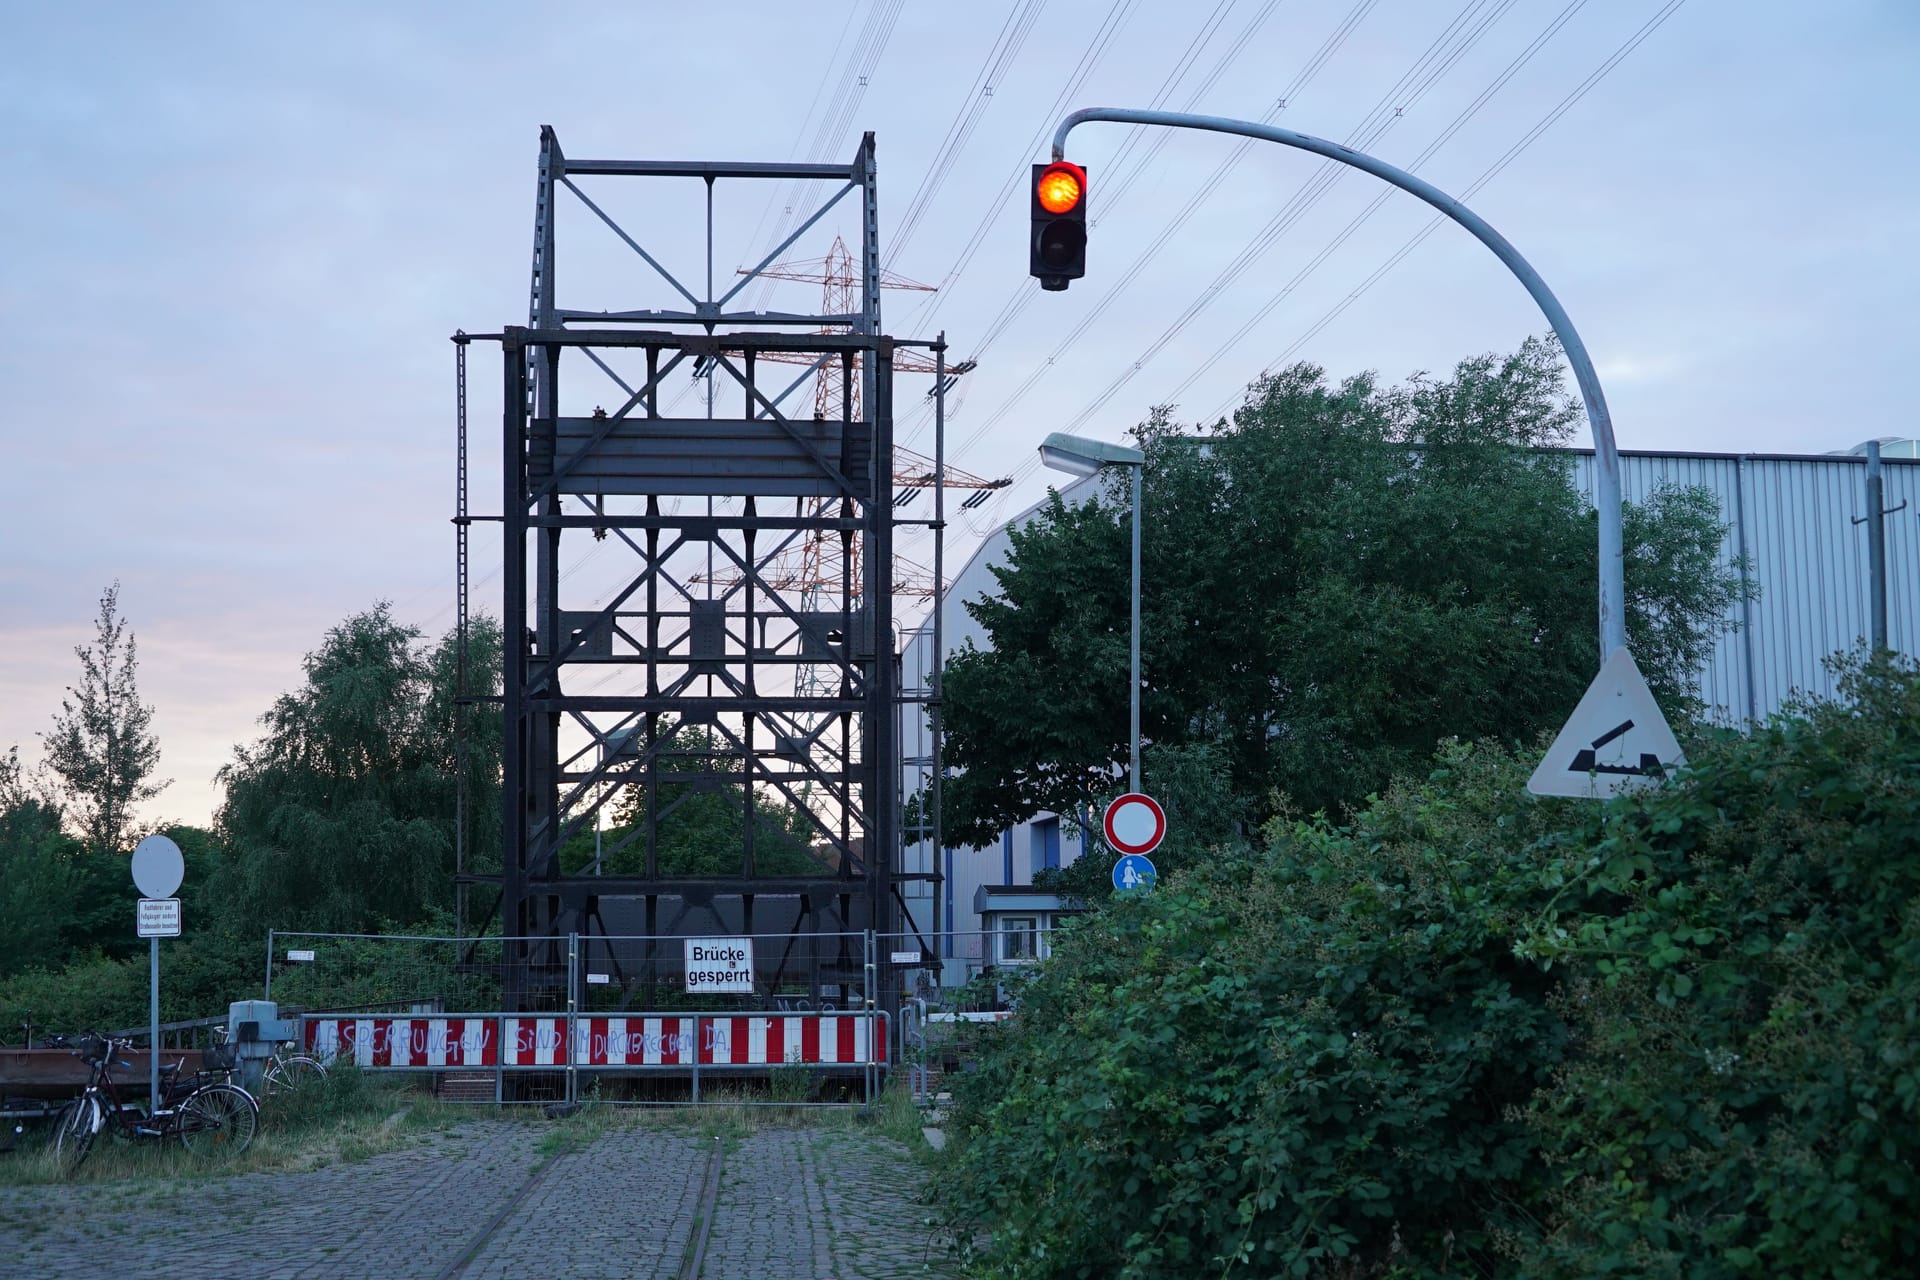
810 1203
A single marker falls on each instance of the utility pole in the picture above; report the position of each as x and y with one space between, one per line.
1876 522
1876 547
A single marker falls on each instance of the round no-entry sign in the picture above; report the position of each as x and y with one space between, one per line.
1135 823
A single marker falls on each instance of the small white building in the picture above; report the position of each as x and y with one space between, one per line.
1792 516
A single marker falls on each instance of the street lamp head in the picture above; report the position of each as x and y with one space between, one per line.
1079 456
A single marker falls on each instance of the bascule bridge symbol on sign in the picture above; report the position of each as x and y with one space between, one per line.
675 679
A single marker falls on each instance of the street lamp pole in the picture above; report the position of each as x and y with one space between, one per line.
1613 614
1133 684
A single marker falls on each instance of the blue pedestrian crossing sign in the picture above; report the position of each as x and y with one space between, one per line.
1134 871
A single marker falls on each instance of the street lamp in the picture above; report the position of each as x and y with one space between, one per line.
1079 456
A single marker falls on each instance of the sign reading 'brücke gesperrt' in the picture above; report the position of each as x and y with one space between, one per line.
720 965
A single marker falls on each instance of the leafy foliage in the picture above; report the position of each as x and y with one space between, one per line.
102 746
1272 1063
341 816
1332 582
701 823
1476 1033
41 884
1743 960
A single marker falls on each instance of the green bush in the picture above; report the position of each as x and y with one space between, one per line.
1744 957
1477 1033
1274 1063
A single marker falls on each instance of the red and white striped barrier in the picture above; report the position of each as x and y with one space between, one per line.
533 1042
813 1039
640 1040
634 1042
405 1042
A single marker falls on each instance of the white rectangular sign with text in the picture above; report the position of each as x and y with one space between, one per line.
158 917
721 965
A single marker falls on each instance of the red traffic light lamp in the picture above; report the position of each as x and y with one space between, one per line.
1057 252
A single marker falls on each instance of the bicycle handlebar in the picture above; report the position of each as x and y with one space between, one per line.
108 1047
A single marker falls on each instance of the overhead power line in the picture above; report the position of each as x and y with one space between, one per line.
1359 220
973 106
1439 57
1025 291
989 515
1324 178
1097 48
831 135
793 154
1492 171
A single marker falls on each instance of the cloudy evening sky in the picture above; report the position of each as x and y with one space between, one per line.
234 239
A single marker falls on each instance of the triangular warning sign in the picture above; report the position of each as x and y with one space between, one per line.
1616 739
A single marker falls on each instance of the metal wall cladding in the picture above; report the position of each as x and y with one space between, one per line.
1793 518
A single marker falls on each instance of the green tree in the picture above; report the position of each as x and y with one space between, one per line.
59 899
102 747
1332 582
341 816
702 821
39 883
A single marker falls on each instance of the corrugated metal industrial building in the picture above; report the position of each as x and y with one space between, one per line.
1792 517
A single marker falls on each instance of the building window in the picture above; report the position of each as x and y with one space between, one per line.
1044 843
1019 939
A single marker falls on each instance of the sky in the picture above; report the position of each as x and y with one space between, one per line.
238 237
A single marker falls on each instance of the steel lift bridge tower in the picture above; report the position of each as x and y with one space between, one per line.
684 677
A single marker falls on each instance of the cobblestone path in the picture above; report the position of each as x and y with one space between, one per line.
490 1199
819 1204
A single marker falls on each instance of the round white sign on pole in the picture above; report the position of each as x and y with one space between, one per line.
1135 823
158 867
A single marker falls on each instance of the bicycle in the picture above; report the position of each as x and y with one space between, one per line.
293 1072
210 1120
285 1075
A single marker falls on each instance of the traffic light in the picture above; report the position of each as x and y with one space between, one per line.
1059 247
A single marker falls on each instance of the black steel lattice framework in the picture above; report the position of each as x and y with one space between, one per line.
598 695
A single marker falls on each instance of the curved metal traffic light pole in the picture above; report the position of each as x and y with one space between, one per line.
1613 591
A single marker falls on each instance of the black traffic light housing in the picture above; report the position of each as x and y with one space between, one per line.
1058 248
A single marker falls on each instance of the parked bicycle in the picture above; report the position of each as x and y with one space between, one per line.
286 1073
212 1120
289 1072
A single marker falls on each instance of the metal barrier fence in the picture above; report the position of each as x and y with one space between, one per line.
551 1012
593 1006
583 1046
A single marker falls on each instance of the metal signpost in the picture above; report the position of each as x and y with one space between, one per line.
158 869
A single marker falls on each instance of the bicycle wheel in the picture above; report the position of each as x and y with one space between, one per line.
217 1122
289 1076
73 1134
